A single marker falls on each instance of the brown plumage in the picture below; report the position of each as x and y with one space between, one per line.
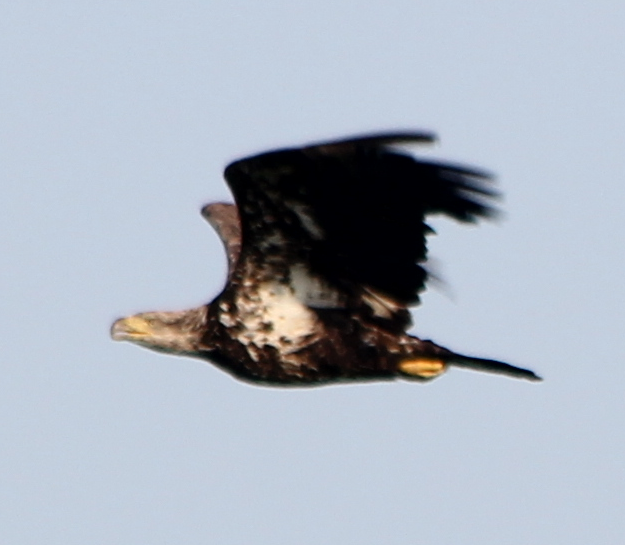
325 247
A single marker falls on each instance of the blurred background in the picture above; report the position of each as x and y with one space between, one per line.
116 121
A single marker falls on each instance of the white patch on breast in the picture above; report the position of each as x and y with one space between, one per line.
273 315
279 314
284 309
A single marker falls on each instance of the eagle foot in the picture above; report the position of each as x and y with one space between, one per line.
424 368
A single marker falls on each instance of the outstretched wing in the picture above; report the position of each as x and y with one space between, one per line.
352 211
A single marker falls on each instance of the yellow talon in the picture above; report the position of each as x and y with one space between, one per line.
424 368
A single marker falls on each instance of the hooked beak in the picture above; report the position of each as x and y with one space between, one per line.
132 328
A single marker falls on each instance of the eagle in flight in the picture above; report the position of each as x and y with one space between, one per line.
326 248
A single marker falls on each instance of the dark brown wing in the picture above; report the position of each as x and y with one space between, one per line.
353 210
224 218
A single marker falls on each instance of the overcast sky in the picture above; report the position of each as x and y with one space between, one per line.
116 121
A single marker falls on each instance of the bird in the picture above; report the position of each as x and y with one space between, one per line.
326 249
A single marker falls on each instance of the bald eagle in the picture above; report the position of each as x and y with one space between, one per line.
326 248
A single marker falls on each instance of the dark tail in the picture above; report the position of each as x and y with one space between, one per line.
492 366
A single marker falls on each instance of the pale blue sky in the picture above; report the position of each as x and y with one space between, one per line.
116 120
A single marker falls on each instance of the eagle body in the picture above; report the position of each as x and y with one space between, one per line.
280 339
326 248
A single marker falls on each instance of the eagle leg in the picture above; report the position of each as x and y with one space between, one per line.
423 368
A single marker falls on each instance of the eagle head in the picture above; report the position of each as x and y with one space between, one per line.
174 332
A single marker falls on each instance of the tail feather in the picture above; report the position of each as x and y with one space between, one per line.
492 366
